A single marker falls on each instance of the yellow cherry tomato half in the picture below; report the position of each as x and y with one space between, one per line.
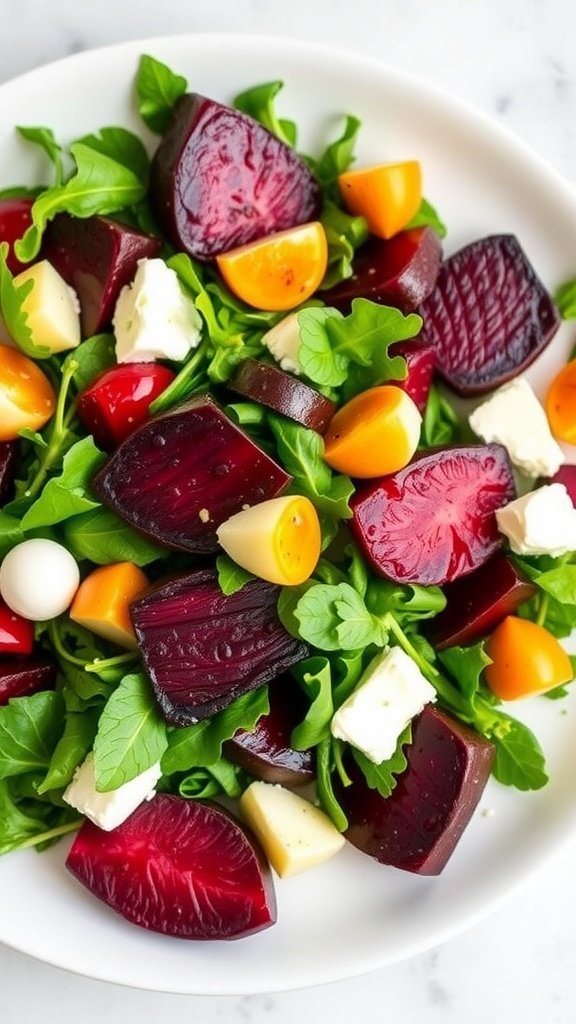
278 540
526 659
561 404
102 602
387 196
27 398
278 272
376 433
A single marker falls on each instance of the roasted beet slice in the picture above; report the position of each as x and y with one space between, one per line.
283 393
477 603
8 459
400 271
434 520
180 475
19 677
419 825
180 867
266 752
489 315
202 649
420 362
566 475
15 219
97 257
220 180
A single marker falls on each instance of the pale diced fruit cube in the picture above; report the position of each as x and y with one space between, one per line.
294 833
51 307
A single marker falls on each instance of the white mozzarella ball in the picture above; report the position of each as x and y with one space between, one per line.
38 579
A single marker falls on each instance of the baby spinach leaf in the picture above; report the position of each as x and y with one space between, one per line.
203 783
132 735
519 758
67 494
12 298
103 538
157 89
427 217
91 358
259 103
382 777
29 730
17 825
315 678
10 533
441 423
565 299
231 577
200 745
301 452
123 147
76 740
466 665
338 156
44 137
560 583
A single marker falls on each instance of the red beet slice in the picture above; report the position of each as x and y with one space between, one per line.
180 867
566 475
420 362
202 649
220 180
283 393
15 219
180 475
266 752
419 825
434 520
477 603
97 257
20 677
8 460
400 271
118 401
489 316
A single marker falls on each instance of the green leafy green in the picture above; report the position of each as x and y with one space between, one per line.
222 777
131 737
200 745
123 147
29 731
69 493
259 103
231 577
335 618
382 777
12 299
441 423
315 678
10 533
157 89
409 603
301 452
44 137
427 217
103 538
325 790
90 359
344 234
76 740
565 299
519 758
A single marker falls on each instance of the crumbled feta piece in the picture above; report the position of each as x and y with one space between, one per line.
542 522
108 810
391 692
283 343
153 318
514 417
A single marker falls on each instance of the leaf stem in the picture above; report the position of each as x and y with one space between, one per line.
104 663
58 431
52 833
173 393
59 646
543 603
446 691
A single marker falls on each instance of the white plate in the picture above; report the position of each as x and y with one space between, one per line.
352 915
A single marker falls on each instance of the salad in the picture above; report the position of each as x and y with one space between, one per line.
252 557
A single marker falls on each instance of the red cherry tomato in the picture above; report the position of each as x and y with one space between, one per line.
118 401
16 633
14 220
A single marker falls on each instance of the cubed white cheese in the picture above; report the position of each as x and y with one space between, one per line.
108 810
283 343
153 318
514 418
390 693
542 522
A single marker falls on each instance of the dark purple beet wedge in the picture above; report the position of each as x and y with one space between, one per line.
477 603
566 475
221 180
400 271
434 521
419 825
20 677
420 362
202 649
97 257
283 393
489 315
266 752
180 867
8 459
180 475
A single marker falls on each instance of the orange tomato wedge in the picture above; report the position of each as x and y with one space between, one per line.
526 659
102 602
377 432
27 398
278 272
561 404
278 540
387 196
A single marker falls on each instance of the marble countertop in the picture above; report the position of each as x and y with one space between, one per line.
514 59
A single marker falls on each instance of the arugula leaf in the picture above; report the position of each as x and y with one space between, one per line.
90 359
132 735
441 423
103 538
315 678
100 185
157 89
200 745
338 156
344 233
76 740
427 217
466 665
231 577
326 795
335 618
29 730
31 824
409 603
10 533
44 137
123 147
301 452
67 494
259 103
519 758
565 299
12 299
382 777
